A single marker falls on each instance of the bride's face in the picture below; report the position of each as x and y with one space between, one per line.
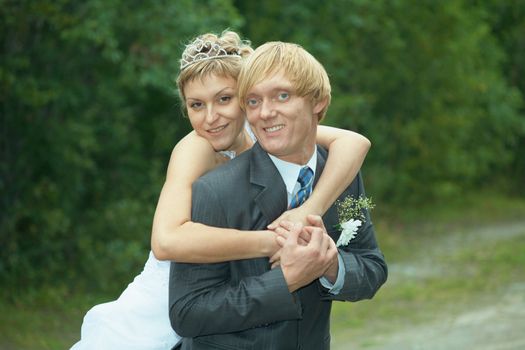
214 111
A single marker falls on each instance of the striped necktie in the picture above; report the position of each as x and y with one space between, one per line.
305 179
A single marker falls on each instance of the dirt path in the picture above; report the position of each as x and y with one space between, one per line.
497 322
499 326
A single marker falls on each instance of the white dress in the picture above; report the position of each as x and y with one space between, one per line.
139 318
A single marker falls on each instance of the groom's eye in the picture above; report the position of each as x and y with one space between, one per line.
283 96
252 102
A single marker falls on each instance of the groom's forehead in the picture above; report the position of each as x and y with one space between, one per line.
271 82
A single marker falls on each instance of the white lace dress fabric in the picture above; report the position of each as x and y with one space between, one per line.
137 320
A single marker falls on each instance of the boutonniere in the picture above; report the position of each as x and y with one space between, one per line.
351 217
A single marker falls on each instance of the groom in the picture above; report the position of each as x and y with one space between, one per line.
244 304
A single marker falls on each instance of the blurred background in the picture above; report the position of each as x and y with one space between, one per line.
89 117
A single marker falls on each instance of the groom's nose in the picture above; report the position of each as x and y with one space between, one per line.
266 109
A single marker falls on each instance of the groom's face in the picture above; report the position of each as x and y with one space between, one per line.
285 124
214 112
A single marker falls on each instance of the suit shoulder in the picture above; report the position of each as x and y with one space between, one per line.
229 173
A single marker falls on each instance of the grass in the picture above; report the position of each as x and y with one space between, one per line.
439 267
472 272
43 319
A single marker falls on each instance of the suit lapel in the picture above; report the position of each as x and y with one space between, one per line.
330 218
272 198
321 160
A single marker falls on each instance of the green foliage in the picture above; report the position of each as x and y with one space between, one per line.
422 80
507 23
89 119
89 116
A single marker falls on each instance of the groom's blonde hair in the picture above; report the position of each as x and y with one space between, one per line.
307 75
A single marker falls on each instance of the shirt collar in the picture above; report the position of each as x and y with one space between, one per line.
290 171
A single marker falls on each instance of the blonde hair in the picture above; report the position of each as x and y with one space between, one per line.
224 66
307 75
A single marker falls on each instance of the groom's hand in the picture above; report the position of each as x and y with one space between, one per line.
333 269
302 264
282 231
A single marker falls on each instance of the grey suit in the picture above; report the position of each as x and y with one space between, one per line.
244 304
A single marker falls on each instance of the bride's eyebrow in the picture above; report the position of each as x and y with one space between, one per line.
224 89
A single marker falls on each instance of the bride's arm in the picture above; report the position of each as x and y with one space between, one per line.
347 151
175 237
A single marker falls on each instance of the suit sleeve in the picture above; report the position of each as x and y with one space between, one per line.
365 265
200 295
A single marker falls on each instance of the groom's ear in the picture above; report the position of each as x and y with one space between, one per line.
319 106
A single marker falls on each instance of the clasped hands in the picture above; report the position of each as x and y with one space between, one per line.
307 252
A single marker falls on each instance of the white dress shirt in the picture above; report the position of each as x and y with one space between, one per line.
289 173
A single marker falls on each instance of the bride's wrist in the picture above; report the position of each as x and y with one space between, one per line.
312 206
267 243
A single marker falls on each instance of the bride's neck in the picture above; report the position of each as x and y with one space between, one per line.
242 143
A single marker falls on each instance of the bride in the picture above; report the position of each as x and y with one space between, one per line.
138 319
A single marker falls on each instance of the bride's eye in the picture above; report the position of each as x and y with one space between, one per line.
196 105
225 99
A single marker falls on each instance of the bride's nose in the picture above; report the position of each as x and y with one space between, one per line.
211 115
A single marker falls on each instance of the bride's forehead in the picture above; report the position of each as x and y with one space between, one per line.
209 85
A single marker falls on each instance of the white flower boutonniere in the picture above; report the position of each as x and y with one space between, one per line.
351 217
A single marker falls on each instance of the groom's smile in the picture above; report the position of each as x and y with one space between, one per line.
274 129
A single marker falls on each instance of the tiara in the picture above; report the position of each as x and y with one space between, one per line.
211 51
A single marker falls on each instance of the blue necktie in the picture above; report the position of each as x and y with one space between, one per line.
305 179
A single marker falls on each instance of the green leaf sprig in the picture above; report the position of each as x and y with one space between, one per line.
352 208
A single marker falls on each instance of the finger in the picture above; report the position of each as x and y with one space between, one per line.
304 237
281 240
332 250
316 220
282 232
302 241
316 236
275 223
286 224
332 244
276 264
325 243
294 234
275 257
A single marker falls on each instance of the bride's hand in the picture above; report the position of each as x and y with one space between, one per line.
283 231
298 214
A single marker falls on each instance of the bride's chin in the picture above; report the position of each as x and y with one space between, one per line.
219 146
